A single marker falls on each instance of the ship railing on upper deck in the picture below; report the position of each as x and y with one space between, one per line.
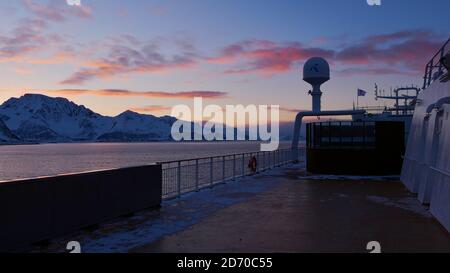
434 69
375 110
184 176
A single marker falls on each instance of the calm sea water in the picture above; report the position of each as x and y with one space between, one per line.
30 161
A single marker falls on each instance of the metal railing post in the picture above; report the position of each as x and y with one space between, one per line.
430 72
269 161
234 167
278 158
440 64
211 170
243 164
264 160
274 154
223 169
179 179
258 167
196 175
274 159
269 156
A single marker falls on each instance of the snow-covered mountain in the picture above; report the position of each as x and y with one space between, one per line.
39 118
131 126
43 119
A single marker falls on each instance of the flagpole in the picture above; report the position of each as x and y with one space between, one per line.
357 99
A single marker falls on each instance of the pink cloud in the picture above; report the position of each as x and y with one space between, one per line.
26 38
374 71
29 43
57 11
265 57
125 59
147 94
277 58
404 52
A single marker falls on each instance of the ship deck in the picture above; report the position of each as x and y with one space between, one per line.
277 211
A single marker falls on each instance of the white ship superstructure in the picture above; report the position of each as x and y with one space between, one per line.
426 168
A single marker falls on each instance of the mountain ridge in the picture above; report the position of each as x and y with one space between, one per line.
43 119
37 118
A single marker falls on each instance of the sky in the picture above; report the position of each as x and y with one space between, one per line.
150 55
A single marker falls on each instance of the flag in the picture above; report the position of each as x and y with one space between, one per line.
361 93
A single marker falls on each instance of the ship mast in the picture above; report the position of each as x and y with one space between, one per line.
400 94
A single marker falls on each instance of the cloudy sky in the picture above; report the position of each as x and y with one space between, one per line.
148 55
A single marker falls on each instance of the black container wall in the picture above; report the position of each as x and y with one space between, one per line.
349 148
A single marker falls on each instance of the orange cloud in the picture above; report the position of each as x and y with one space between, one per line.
148 94
290 110
152 109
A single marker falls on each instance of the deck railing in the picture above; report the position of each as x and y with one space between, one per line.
184 176
434 69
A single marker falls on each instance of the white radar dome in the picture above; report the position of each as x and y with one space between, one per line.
316 71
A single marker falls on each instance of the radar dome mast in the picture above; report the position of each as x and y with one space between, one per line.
316 72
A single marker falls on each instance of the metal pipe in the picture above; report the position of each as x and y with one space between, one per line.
441 102
438 105
430 108
301 115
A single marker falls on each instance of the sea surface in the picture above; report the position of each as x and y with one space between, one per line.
30 161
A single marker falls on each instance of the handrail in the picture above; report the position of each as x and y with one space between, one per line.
431 167
440 171
431 65
442 49
217 156
188 175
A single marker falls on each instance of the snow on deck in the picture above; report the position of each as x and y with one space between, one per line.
174 216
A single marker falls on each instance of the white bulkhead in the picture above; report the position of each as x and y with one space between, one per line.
426 168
